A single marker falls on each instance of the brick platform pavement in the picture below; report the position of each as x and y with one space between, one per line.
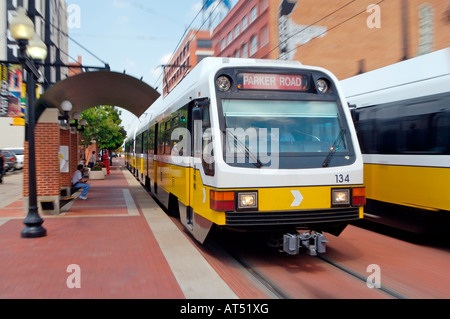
121 243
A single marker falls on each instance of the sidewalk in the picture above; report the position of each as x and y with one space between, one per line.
117 244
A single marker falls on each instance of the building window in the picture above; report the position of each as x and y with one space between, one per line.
264 36
245 50
237 31
236 54
426 29
204 44
253 45
224 45
244 23
230 37
253 14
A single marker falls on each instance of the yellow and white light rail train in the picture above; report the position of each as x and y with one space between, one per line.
402 116
253 145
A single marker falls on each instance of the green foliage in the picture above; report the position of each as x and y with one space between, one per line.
96 168
101 164
104 127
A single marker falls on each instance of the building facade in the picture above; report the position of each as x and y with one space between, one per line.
194 47
57 40
3 31
345 37
50 19
248 31
351 37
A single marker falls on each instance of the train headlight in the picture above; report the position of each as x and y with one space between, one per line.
223 83
322 86
340 197
248 200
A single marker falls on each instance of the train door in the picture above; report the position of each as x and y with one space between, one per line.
197 136
162 178
198 225
144 166
152 142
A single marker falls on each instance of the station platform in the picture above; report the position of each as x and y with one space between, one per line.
118 244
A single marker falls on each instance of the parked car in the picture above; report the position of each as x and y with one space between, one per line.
18 151
11 160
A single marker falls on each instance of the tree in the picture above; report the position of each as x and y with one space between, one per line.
103 127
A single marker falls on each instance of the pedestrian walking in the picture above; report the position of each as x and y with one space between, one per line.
2 167
107 162
92 160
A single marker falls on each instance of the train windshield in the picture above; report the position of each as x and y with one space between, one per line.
300 134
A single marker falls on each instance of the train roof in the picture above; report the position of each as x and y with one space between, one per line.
420 76
186 89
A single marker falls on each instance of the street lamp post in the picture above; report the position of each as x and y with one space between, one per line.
31 47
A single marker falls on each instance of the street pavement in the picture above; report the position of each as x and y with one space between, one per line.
12 188
118 244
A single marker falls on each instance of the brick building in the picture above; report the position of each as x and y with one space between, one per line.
76 67
56 145
248 31
343 36
50 20
195 46
349 37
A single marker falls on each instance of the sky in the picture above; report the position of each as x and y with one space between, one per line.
135 36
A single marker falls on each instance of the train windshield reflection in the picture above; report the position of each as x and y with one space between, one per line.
296 126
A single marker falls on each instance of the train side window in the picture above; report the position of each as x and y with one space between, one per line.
151 140
389 137
145 142
161 130
388 126
175 121
414 134
366 129
422 132
167 133
175 124
139 144
179 122
441 133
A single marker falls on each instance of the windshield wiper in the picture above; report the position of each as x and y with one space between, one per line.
334 148
254 160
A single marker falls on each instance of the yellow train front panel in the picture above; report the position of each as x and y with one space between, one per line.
269 200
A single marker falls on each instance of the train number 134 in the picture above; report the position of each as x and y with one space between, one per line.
341 179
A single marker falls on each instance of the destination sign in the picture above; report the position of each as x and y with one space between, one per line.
267 81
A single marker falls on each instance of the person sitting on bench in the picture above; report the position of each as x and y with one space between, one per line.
79 182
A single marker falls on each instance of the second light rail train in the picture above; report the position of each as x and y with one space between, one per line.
253 145
402 117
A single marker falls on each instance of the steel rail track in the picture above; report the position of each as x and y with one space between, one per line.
390 292
268 286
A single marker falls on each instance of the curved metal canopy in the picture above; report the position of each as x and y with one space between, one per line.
87 90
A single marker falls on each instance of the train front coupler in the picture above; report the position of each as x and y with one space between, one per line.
314 243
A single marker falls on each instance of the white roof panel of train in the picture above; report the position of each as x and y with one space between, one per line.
423 75
196 77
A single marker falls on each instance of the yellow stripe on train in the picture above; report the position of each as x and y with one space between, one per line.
426 187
